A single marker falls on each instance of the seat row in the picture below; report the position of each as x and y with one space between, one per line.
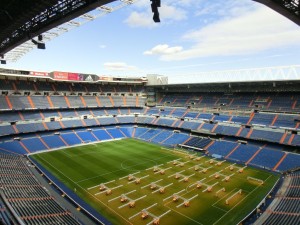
286 206
27 197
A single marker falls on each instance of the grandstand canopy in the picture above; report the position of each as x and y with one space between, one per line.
21 20
253 75
287 8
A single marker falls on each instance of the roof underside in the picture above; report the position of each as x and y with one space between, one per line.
21 20
287 8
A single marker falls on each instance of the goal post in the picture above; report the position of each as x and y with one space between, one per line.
232 196
261 182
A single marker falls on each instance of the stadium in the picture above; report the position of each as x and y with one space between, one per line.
216 148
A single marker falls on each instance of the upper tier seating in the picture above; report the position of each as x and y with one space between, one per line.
46 102
23 85
276 101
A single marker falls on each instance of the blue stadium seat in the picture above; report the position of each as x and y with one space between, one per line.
53 141
13 146
71 138
221 147
116 133
140 130
102 134
291 161
243 153
86 136
267 158
176 138
34 144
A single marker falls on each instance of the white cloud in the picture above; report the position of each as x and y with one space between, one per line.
140 19
251 32
142 3
118 66
168 12
163 50
102 46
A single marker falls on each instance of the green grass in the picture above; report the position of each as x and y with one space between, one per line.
87 166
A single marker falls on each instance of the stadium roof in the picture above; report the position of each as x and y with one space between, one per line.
22 20
287 8
254 75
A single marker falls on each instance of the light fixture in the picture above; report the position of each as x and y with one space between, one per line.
2 61
154 7
40 45
40 37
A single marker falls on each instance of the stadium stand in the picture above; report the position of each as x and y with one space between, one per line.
285 207
26 196
115 133
255 128
221 148
267 158
282 101
53 141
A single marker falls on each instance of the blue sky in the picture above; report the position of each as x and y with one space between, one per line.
193 36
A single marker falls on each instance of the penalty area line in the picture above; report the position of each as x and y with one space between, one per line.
239 202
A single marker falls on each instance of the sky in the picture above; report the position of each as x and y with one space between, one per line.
194 36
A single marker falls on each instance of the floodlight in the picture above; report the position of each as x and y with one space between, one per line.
154 5
156 18
40 37
39 45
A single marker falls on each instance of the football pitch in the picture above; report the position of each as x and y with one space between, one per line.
134 182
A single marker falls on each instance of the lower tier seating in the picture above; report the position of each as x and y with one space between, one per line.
256 155
285 207
27 197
